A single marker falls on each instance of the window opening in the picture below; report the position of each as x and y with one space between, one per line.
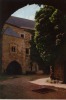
27 51
13 49
22 35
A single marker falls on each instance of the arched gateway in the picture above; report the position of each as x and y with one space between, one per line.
14 68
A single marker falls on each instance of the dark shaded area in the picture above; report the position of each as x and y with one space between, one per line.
65 73
46 69
30 72
7 7
44 90
14 68
34 54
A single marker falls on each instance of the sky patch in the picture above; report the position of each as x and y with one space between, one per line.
27 12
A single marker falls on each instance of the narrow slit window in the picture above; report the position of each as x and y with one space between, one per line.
27 51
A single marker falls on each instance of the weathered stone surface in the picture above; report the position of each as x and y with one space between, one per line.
20 44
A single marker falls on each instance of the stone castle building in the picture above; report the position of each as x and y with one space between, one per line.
15 49
16 46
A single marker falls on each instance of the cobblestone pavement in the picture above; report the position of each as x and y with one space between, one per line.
21 88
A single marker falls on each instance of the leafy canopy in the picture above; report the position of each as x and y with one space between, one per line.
49 32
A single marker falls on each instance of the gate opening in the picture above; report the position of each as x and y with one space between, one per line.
14 68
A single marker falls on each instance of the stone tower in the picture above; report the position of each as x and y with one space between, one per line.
15 45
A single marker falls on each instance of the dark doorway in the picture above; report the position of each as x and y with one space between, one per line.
14 68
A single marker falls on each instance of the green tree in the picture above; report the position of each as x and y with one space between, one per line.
49 33
34 54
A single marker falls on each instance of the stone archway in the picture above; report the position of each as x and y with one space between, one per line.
14 68
8 7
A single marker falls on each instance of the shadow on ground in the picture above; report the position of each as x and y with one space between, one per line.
19 87
44 90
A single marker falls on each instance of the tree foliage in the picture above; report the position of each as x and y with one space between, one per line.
49 32
34 54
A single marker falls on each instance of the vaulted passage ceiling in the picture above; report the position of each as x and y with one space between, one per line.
7 7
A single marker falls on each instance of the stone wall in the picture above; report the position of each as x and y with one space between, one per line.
20 43
59 71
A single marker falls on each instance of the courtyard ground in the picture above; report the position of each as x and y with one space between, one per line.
20 87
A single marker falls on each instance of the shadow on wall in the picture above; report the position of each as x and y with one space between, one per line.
14 68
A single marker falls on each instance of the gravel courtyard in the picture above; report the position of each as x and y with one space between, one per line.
19 87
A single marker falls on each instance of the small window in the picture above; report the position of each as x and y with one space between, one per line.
13 49
27 51
22 35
